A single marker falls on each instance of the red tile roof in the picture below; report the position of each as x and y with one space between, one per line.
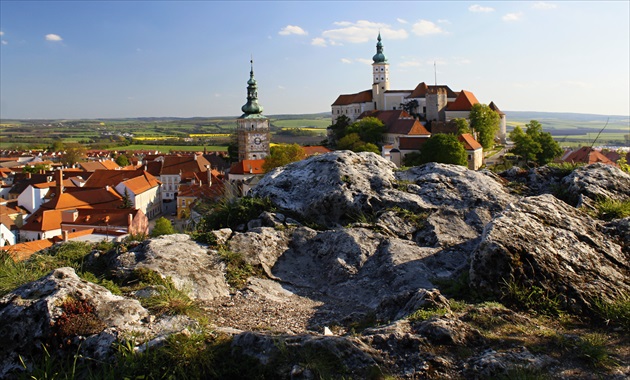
23 251
588 155
201 191
411 143
464 102
315 149
359 97
469 141
99 165
43 220
101 217
84 198
397 122
422 89
248 167
141 183
184 164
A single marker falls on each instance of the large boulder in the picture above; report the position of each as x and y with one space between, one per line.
591 183
60 307
191 267
541 241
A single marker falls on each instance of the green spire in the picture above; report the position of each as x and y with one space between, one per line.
379 57
252 107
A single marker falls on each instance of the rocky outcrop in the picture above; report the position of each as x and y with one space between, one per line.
61 306
591 183
541 241
353 256
189 265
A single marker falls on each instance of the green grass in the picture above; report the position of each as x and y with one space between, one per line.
532 298
302 123
608 209
615 313
237 269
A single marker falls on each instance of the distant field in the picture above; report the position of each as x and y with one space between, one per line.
303 123
167 148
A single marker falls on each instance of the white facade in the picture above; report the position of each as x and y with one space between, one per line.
149 201
39 235
7 237
32 198
170 185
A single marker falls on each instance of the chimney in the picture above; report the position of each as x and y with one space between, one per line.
209 174
129 222
59 182
65 236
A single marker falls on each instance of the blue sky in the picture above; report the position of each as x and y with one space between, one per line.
93 59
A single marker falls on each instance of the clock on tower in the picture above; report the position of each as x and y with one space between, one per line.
252 127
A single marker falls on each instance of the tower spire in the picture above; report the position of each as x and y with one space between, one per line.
252 107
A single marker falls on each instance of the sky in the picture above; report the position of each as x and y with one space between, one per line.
115 59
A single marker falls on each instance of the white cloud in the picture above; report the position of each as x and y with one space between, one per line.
346 60
544 5
410 63
280 87
361 31
478 8
443 21
402 21
1 33
365 61
513 16
425 28
53 37
3 42
319 42
292 29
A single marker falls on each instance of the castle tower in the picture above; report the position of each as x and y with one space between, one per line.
436 99
380 75
252 127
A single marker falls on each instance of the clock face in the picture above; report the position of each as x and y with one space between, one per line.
257 141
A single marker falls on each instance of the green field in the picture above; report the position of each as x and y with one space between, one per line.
320 123
175 148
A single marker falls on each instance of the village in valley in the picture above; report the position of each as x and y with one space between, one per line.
48 198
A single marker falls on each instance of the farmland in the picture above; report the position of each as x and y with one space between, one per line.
215 133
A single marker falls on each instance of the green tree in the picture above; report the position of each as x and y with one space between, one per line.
338 130
462 125
485 122
74 153
232 148
122 160
282 154
35 169
354 143
126 200
57 145
163 226
534 145
443 148
369 129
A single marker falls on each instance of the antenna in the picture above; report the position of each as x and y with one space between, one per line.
600 132
435 72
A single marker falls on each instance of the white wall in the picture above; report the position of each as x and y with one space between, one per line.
6 235
32 198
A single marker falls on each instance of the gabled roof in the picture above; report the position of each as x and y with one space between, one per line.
200 191
7 221
359 97
43 220
23 251
84 198
102 217
495 108
101 178
141 183
469 141
422 89
398 122
99 165
588 155
464 102
248 167
183 164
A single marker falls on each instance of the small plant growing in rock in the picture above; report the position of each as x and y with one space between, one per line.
615 313
608 209
531 298
421 315
237 269
592 348
78 317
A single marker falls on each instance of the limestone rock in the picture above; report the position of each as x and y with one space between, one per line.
28 315
541 241
189 265
592 182
260 246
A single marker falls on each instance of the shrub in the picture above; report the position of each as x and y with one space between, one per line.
78 318
232 212
163 226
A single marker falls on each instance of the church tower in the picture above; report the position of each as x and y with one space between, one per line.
380 74
252 127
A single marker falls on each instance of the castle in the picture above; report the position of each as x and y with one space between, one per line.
435 105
